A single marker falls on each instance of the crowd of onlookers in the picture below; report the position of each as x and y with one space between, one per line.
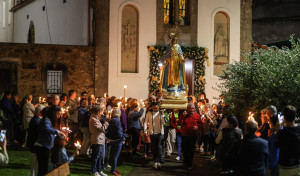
105 126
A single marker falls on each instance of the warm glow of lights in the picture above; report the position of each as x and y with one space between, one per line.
77 145
125 86
250 117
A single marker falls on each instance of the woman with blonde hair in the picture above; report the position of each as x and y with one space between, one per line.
115 137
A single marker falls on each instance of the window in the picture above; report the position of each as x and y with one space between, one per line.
54 82
31 33
169 11
183 15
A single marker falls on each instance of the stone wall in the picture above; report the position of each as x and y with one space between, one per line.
29 64
246 27
274 20
102 45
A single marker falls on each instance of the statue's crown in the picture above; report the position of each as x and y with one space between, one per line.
174 32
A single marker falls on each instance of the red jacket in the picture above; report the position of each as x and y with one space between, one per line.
188 122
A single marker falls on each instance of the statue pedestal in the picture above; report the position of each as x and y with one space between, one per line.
174 103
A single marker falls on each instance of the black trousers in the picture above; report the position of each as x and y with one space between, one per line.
135 138
188 147
156 146
43 155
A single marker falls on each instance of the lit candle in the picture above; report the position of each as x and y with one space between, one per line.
250 117
125 87
77 145
78 98
40 99
119 104
104 95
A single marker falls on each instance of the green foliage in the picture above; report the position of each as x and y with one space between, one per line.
267 77
199 54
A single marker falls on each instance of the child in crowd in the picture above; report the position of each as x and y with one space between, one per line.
59 154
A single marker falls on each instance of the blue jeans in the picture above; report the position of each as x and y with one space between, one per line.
116 147
178 144
97 155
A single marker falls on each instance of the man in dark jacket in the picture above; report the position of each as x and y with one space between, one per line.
288 142
83 118
33 131
252 152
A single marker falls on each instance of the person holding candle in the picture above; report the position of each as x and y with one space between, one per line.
59 154
53 111
134 126
156 122
83 118
73 118
44 142
97 130
28 113
264 128
116 137
123 117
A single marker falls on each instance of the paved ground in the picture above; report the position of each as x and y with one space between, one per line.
202 165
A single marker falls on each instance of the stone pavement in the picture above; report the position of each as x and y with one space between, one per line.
202 165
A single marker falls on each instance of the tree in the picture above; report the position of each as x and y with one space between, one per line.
267 77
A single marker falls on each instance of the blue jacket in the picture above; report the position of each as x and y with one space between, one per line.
273 152
46 133
253 155
114 130
134 119
83 117
33 132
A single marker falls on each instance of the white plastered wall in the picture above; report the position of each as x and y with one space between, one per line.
206 14
6 21
68 22
137 83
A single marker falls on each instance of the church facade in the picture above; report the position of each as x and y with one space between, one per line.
100 46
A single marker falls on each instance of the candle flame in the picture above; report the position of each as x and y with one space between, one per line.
250 117
77 145
125 86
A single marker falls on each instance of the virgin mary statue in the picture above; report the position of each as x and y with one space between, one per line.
173 76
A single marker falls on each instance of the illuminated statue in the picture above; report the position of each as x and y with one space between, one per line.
173 76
